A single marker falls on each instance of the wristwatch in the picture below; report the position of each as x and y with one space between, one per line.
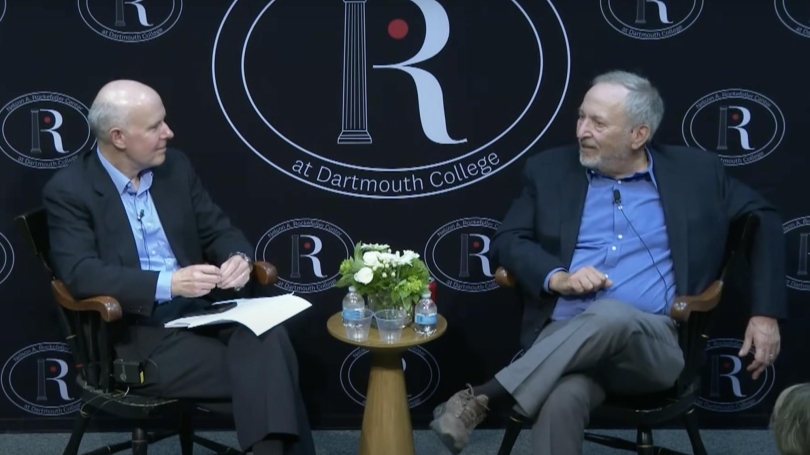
245 257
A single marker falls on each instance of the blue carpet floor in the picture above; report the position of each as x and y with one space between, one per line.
483 442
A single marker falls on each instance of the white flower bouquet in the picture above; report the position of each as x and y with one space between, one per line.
390 280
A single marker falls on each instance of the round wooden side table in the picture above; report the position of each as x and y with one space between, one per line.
387 418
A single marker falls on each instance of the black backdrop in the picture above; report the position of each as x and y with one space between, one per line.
412 132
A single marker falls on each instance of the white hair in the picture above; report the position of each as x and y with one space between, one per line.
643 104
790 420
104 116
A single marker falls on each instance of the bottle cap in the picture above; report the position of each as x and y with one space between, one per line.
426 295
352 289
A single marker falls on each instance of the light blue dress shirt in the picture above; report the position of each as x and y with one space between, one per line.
154 251
608 242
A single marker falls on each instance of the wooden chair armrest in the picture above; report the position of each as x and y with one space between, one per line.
265 272
107 307
504 278
683 306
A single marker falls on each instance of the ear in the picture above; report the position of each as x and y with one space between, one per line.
639 136
117 137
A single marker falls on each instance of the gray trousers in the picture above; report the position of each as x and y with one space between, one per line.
611 347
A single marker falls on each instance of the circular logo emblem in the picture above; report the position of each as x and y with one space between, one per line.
793 13
422 375
306 253
40 379
651 20
457 254
6 258
727 386
130 21
796 232
742 126
384 107
2 9
44 130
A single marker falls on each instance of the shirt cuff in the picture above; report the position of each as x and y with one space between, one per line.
548 278
163 293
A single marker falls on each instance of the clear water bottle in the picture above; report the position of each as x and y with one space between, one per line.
353 306
425 315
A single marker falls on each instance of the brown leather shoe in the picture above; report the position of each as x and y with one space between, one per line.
455 419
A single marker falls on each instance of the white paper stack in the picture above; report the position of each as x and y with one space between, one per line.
258 315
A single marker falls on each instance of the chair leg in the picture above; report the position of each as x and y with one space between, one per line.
140 443
691 424
644 441
511 434
186 434
611 441
79 427
218 448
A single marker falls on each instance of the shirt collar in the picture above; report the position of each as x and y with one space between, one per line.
648 173
121 181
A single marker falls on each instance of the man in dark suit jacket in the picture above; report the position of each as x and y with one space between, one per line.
603 237
132 220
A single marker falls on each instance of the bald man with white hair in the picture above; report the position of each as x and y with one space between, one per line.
132 220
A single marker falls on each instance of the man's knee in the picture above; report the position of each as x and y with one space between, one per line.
277 336
244 345
277 341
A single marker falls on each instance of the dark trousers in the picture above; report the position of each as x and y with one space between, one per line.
258 374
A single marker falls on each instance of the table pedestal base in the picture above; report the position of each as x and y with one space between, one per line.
387 417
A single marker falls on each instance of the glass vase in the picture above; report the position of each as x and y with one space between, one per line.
383 301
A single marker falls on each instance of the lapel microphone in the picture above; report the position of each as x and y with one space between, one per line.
140 215
617 199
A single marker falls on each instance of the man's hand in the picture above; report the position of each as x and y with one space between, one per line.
235 273
763 333
195 280
583 281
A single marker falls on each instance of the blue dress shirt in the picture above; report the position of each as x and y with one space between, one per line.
608 242
154 250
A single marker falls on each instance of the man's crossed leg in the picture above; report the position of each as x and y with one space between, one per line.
611 347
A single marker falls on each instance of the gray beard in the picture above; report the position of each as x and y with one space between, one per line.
606 165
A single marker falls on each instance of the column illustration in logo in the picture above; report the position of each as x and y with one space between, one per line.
742 114
408 126
130 21
38 380
457 254
790 13
741 125
120 20
422 375
355 92
6 258
651 19
727 386
307 253
315 245
60 367
796 235
44 130
50 116
641 11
